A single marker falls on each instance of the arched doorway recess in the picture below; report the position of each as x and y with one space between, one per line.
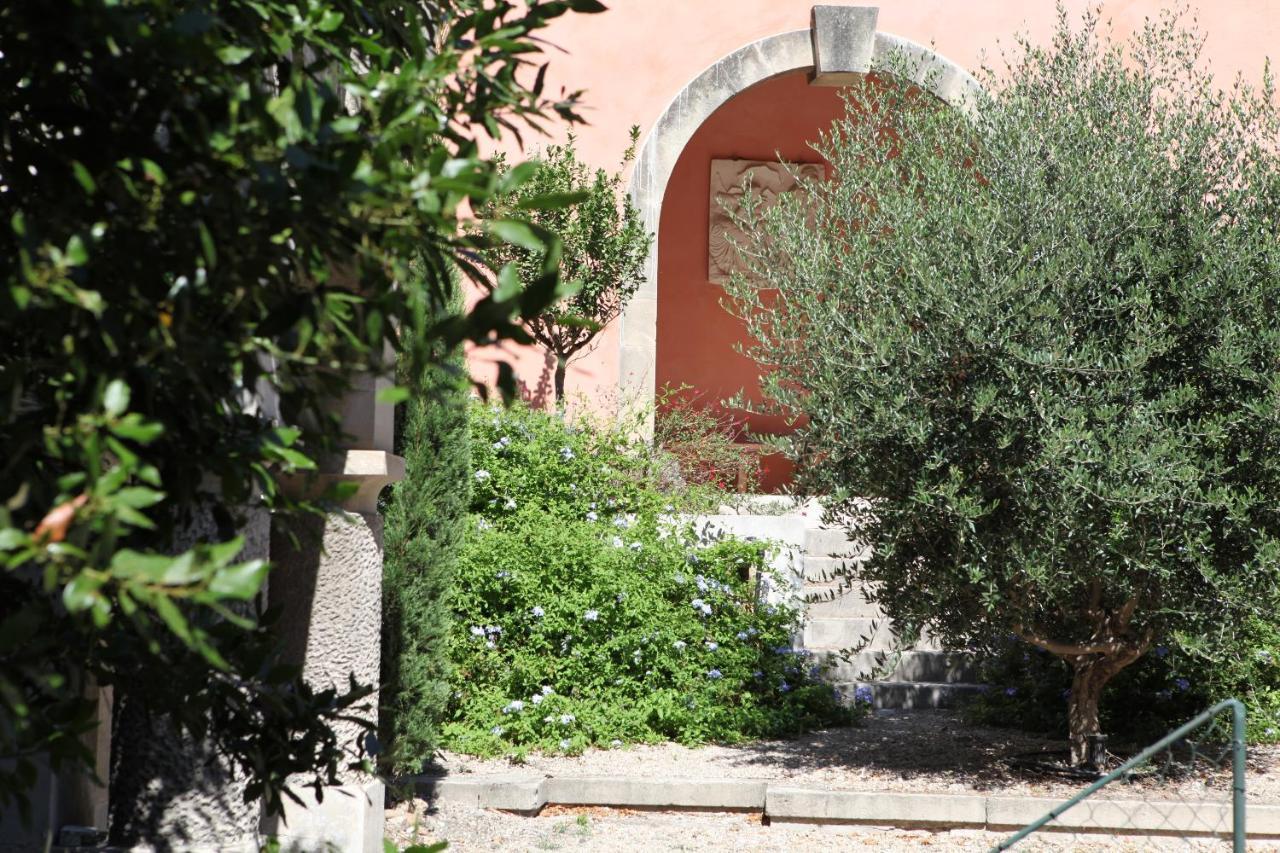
840 44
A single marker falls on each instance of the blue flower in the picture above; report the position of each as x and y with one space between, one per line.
566 453
496 731
546 690
863 694
712 645
510 504
1011 691
678 645
617 542
1182 684
477 631
593 516
757 674
615 743
515 706
741 635
714 674
621 522
538 612
591 615
566 719
564 744
784 687
1161 651
1066 694
482 475
636 546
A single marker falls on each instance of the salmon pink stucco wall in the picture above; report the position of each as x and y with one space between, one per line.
634 59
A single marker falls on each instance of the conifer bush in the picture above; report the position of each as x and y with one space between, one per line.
426 519
586 613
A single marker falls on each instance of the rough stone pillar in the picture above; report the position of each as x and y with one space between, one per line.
327 579
169 791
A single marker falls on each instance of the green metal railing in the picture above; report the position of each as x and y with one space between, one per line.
1237 749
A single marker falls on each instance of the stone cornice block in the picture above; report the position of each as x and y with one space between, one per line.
369 470
844 40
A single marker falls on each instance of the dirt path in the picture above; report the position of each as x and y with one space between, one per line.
914 751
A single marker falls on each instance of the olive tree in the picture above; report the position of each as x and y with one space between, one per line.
1036 342
604 245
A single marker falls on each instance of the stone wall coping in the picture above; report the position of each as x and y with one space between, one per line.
527 792
370 470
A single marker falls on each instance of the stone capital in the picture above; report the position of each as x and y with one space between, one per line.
369 470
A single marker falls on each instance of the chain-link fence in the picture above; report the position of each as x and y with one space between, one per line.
1186 791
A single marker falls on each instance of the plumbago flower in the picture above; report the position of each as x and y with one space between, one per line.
604 555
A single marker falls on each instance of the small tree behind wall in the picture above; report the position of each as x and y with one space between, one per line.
1039 351
605 245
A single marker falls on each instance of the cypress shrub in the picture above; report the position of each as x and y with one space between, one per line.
425 521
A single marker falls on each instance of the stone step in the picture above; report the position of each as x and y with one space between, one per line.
825 541
829 569
838 634
911 695
915 665
848 605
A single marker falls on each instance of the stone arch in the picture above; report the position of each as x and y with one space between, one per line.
840 43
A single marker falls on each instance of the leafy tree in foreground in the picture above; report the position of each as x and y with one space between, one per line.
605 246
207 217
1038 347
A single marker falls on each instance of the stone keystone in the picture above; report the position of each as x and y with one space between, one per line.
844 39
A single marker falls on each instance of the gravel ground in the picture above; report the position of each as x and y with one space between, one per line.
915 751
595 829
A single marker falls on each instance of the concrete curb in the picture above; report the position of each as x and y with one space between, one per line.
527 793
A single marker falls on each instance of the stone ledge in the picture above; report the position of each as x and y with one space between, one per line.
719 794
527 793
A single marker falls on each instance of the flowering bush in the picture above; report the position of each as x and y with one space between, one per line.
586 614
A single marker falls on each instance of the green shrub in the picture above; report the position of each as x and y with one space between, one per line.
704 442
586 615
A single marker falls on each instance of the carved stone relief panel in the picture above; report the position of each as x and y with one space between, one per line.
768 179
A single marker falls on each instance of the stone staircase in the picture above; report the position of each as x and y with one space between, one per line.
848 636
840 619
